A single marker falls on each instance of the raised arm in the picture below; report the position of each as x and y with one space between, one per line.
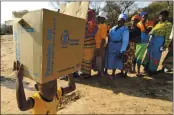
23 104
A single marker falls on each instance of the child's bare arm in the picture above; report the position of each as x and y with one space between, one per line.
23 104
71 85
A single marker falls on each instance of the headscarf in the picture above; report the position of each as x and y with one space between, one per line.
164 12
143 13
122 16
137 17
91 26
91 14
102 14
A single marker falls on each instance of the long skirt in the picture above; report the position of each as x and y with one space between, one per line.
99 60
168 61
129 56
112 61
140 52
88 55
153 56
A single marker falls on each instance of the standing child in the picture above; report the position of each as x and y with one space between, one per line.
46 100
100 39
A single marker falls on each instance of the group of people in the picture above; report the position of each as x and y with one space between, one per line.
126 46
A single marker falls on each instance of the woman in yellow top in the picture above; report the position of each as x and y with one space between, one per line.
158 43
45 101
100 39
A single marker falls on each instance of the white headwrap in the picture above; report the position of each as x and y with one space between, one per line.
102 14
122 16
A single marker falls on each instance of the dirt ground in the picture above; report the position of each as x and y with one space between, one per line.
130 95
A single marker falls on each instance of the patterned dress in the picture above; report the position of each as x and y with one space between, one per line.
89 47
134 37
160 37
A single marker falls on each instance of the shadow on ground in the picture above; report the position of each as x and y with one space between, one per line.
159 86
11 83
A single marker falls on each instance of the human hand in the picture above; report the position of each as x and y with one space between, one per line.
163 48
120 55
18 68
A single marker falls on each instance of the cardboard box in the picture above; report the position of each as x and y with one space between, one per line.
49 44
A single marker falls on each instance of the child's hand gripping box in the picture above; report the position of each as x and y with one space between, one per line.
49 44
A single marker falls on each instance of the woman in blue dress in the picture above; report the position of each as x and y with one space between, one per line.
118 40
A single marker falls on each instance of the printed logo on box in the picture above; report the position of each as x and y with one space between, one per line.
66 40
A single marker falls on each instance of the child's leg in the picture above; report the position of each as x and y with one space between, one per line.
106 70
125 74
103 61
139 73
134 66
113 72
138 68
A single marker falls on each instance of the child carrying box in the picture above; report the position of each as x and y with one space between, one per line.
46 100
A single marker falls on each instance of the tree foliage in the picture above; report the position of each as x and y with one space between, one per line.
6 29
114 8
155 7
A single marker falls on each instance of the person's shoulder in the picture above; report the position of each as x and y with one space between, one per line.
113 27
125 28
104 25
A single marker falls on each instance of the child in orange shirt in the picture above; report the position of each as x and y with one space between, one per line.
46 100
